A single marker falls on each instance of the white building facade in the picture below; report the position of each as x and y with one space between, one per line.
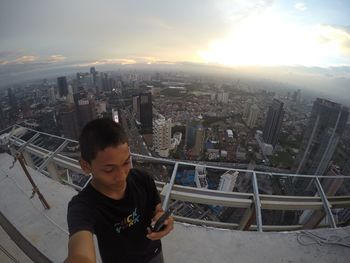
162 136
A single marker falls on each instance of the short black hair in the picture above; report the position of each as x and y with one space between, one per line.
99 134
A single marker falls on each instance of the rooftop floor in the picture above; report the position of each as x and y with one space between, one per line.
9 251
47 229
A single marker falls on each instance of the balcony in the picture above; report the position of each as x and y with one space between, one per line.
261 215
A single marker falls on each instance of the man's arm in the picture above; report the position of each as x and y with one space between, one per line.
81 248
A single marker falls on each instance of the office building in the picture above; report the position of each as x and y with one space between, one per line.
136 107
273 122
69 121
86 110
324 129
312 218
3 122
191 131
62 86
146 112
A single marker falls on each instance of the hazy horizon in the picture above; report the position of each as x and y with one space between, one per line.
301 43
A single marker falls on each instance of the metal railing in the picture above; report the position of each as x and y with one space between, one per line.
253 204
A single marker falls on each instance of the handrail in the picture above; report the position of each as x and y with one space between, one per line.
253 202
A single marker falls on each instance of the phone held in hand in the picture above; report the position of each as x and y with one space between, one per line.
159 225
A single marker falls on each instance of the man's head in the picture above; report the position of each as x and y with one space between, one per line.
105 152
99 134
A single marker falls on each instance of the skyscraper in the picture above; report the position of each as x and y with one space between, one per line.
273 122
94 75
69 121
3 122
62 86
146 113
311 218
253 116
86 111
136 107
198 147
191 131
324 129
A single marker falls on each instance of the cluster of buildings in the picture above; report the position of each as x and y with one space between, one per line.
212 122
166 116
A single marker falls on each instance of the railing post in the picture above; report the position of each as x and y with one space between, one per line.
257 202
169 187
326 204
52 155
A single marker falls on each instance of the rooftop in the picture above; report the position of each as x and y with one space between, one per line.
193 239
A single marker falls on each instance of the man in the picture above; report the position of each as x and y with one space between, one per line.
118 205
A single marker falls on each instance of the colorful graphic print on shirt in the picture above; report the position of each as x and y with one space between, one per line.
127 221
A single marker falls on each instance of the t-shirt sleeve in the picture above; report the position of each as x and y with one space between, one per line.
80 217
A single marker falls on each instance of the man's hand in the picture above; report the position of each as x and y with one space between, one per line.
168 223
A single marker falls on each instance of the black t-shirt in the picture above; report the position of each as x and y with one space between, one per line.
119 225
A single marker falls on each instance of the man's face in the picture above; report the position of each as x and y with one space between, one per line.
111 166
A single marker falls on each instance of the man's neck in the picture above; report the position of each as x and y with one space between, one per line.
115 193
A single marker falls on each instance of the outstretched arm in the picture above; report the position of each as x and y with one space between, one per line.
81 248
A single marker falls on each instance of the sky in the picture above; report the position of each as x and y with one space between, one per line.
39 34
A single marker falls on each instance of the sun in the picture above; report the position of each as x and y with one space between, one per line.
267 40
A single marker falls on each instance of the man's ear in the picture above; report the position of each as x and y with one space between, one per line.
85 166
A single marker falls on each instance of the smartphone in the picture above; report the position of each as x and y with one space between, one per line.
159 225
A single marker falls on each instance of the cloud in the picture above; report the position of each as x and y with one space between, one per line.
121 61
300 6
25 59
125 61
335 38
56 58
15 57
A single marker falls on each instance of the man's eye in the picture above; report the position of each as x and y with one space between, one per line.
108 170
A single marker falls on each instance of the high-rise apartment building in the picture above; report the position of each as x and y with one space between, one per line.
228 181
324 129
273 122
200 177
162 136
252 116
